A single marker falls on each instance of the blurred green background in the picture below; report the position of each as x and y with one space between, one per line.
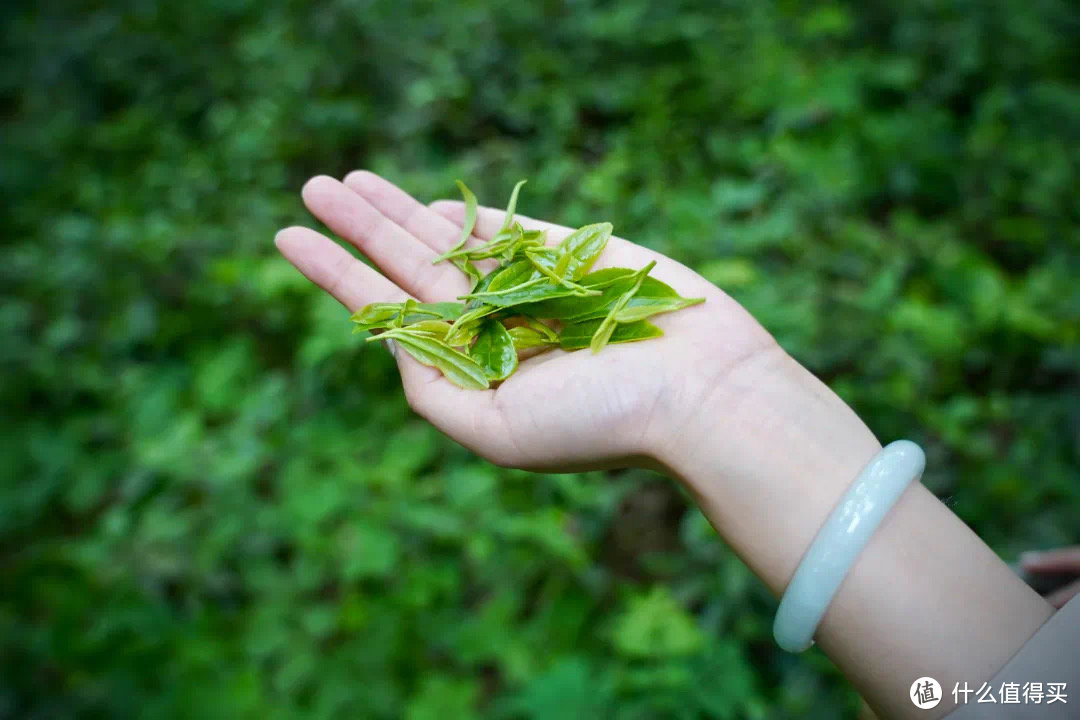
214 504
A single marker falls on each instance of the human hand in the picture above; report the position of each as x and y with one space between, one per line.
1062 562
560 410
765 448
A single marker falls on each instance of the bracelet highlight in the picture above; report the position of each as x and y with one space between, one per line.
841 539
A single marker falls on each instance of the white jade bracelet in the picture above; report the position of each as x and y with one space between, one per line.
841 539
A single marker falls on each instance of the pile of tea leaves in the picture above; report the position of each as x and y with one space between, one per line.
535 299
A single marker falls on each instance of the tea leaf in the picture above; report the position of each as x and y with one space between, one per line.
576 336
584 246
393 315
457 367
461 336
562 265
540 327
612 283
442 310
494 350
465 327
467 228
533 291
602 278
520 282
512 275
511 206
537 282
525 337
656 297
376 315
640 308
522 241
500 242
504 243
492 296
607 325
431 328
475 313
465 265
485 282
544 260
573 308
549 262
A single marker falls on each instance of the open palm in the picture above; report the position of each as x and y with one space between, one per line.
560 410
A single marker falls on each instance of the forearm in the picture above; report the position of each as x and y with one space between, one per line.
769 455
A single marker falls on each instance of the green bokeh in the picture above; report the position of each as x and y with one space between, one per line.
215 503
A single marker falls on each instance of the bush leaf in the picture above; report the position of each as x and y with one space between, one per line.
494 350
457 367
576 336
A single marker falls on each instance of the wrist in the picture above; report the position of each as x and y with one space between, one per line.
767 452
768 457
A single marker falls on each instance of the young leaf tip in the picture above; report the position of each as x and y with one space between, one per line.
475 342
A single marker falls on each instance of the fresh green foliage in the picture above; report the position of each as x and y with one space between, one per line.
532 335
508 239
533 283
584 334
213 506
580 249
494 349
607 326
428 345
470 221
464 264
377 316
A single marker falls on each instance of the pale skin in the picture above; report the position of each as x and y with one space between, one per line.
716 404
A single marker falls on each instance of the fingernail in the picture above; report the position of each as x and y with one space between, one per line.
1027 558
392 348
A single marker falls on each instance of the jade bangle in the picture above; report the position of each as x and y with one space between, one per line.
839 542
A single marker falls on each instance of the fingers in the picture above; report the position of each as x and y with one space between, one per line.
399 254
1065 559
331 267
468 416
619 252
462 414
489 220
434 230
437 231
1059 597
